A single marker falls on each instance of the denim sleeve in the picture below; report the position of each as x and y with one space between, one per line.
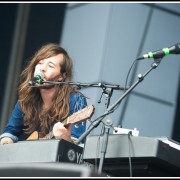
15 124
77 102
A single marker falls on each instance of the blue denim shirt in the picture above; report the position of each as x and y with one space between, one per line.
14 127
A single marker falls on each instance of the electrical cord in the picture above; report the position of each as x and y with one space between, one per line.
130 161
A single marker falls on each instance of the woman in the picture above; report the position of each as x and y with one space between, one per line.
43 108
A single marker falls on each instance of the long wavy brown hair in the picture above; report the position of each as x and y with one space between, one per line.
30 99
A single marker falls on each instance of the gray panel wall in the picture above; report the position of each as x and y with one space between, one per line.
105 38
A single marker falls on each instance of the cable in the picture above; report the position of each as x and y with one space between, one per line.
128 74
130 162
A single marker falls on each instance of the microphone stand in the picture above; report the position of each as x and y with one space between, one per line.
107 124
79 85
109 110
107 90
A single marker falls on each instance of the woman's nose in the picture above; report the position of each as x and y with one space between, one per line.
43 68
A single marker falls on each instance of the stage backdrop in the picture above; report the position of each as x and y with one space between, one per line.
104 39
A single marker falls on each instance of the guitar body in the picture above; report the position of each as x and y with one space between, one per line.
77 117
33 136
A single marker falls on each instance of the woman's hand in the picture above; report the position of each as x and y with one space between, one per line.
61 132
6 140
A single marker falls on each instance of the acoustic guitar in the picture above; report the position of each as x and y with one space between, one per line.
75 118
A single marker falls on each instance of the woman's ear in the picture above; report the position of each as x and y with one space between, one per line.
62 77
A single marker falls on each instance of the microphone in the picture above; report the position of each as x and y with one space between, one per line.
37 79
175 49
